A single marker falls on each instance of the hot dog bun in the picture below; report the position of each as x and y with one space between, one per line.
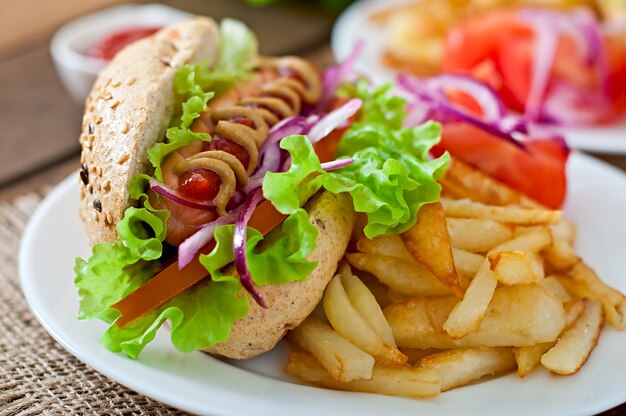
289 304
128 110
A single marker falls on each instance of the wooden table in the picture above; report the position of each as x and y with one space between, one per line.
41 124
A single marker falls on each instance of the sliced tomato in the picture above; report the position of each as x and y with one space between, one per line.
499 49
474 40
616 58
538 172
483 47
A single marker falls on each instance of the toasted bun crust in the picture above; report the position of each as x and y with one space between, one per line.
127 111
289 304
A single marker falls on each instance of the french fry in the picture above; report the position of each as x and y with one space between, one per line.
519 315
464 208
407 278
469 182
614 314
345 319
453 190
415 355
467 314
387 245
554 285
564 230
392 381
523 229
429 242
584 282
478 235
560 256
467 263
395 296
516 267
365 304
462 366
341 359
574 347
533 241
528 358
378 289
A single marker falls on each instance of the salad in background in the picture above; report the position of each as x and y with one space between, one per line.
564 64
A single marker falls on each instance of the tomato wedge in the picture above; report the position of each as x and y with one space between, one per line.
170 282
539 171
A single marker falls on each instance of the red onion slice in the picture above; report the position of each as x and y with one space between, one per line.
170 194
546 100
333 120
417 113
336 164
316 127
442 109
271 155
239 246
487 98
570 106
190 247
336 75
598 55
546 42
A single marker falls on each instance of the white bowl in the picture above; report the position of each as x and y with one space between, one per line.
71 42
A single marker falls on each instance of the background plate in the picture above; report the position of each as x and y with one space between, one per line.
201 384
354 25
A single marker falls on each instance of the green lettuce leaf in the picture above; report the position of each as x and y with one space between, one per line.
391 176
282 260
379 106
204 315
237 52
200 317
289 190
115 270
181 135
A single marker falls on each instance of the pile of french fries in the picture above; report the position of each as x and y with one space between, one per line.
486 282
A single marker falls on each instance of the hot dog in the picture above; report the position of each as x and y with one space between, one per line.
211 193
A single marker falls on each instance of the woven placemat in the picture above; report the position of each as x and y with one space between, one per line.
37 376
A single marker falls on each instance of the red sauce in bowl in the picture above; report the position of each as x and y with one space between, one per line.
113 43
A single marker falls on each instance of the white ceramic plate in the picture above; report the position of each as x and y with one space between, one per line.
201 384
354 25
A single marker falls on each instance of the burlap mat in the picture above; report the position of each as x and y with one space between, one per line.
37 376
